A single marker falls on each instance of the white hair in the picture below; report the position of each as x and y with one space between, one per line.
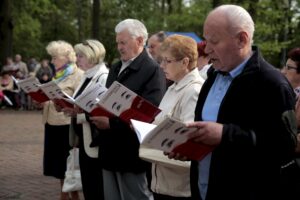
238 18
135 28
61 48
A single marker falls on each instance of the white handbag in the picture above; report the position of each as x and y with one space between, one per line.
72 181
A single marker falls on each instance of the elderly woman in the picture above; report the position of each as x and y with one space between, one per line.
56 148
90 56
170 178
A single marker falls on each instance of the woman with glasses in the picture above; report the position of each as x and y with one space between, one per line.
290 177
170 178
90 58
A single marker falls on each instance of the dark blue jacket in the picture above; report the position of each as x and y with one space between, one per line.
258 134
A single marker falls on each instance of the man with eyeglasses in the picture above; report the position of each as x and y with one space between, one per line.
291 171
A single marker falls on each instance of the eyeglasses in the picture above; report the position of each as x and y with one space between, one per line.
288 67
169 61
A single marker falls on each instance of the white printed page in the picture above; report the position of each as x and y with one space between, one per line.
142 129
117 99
89 98
52 90
168 134
28 85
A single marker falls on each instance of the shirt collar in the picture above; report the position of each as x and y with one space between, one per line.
92 71
236 71
189 77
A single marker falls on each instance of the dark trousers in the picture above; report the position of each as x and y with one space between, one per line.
290 182
166 197
91 175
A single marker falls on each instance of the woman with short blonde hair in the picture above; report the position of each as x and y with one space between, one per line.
56 147
90 58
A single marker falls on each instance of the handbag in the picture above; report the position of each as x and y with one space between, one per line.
72 181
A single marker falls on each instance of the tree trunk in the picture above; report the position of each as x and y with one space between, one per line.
6 30
79 19
96 20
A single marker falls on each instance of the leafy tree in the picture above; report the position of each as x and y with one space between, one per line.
6 29
27 26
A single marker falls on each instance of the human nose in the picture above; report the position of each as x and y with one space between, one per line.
283 70
162 63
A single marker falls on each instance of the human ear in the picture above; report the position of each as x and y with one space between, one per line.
242 39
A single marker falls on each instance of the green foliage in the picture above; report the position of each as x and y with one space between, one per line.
36 23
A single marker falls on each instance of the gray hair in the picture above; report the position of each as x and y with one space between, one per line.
135 28
239 19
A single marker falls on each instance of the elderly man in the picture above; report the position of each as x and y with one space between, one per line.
124 174
154 43
246 110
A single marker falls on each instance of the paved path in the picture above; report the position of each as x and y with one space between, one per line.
21 158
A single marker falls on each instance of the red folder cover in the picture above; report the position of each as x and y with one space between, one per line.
38 96
171 135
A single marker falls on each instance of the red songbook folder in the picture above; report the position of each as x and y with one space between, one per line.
31 86
171 135
117 101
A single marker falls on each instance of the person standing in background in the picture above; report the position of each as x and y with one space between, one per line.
56 146
290 178
203 60
124 173
21 73
154 43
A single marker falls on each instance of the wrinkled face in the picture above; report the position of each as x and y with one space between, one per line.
82 62
153 46
221 45
290 71
59 61
128 46
174 68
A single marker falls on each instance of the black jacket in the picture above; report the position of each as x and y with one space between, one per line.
258 134
119 146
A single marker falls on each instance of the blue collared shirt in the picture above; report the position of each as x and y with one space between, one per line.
210 113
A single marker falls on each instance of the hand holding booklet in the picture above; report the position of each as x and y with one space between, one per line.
96 100
44 92
31 86
118 101
171 135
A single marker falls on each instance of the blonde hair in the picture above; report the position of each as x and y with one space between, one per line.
180 47
61 48
92 49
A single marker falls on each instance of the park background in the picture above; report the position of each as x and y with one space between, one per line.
27 26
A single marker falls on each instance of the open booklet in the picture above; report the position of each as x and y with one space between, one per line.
171 135
44 92
31 86
118 101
